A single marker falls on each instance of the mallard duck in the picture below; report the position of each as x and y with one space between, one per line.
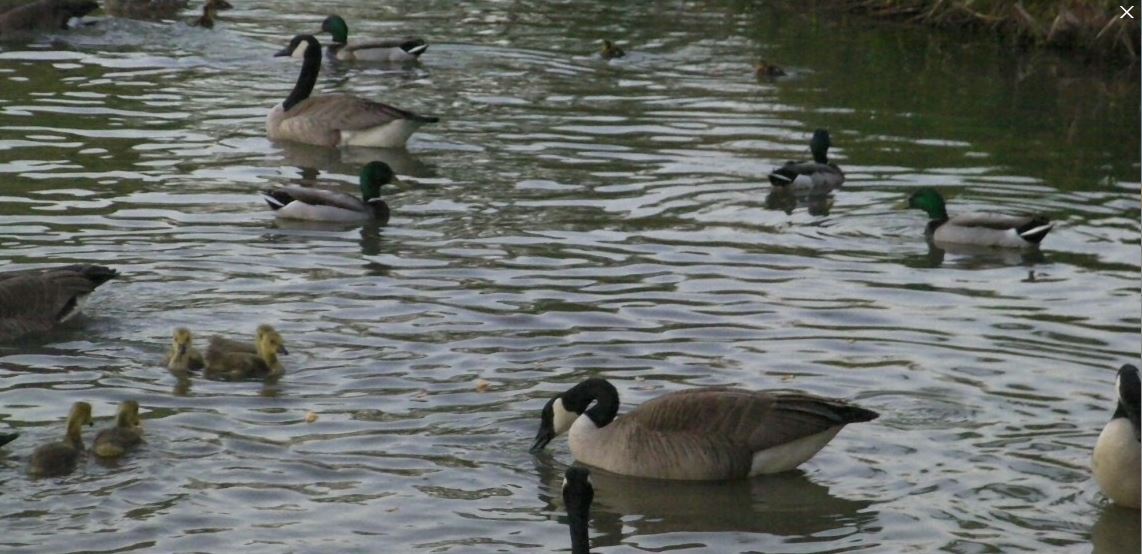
336 119
209 10
41 15
703 434
315 204
610 50
145 9
578 493
183 355
125 435
236 365
406 49
980 229
1117 459
60 458
818 174
33 301
766 70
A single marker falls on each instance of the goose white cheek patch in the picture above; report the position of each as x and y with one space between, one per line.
562 419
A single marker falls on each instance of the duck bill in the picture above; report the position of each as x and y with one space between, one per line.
543 437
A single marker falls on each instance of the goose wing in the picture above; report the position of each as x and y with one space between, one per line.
351 113
36 300
282 196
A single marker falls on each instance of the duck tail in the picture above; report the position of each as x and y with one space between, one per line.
1033 231
851 413
277 199
414 47
782 177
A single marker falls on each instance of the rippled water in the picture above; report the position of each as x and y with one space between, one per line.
571 217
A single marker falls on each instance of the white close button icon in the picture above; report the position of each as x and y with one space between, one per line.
1126 11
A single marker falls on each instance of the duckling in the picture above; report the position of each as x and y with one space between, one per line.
236 365
406 49
60 458
125 435
610 50
209 10
313 204
183 355
1117 457
222 344
980 229
818 175
766 70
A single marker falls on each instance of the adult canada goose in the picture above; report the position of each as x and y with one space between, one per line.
145 9
41 15
980 229
220 344
36 300
818 174
236 365
60 458
406 49
183 356
578 493
209 10
125 435
336 119
1117 459
313 204
766 70
702 434
610 50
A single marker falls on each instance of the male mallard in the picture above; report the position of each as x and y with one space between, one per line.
60 458
336 119
818 174
406 49
980 229
244 365
41 15
611 51
1117 459
33 301
764 70
125 435
183 355
313 204
209 10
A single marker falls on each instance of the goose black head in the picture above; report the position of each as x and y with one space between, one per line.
301 46
595 397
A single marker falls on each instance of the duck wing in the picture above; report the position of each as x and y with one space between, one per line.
280 197
807 174
412 45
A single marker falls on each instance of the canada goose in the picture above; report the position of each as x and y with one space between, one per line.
6 438
125 435
764 70
42 15
610 50
60 458
222 344
313 204
36 300
700 434
145 9
209 10
578 493
1117 459
183 356
336 119
388 50
818 174
236 365
980 229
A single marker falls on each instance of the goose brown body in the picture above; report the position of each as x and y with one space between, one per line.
35 301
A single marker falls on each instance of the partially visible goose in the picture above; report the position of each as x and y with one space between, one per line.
817 174
1117 459
42 15
125 435
6 438
702 434
336 119
406 49
183 356
36 300
236 365
60 458
145 9
980 229
313 204
578 493
610 50
209 10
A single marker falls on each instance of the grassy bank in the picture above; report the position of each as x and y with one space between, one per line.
1088 26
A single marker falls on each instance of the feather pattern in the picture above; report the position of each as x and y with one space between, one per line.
35 301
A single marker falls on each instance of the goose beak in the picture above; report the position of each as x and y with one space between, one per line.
283 53
543 437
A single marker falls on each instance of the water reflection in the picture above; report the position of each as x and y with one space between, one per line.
1116 531
787 200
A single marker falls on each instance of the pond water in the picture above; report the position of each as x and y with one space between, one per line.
570 217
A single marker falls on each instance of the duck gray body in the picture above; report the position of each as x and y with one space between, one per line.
36 300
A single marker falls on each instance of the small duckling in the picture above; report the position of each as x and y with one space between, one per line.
125 435
236 365
222 344
611 51
60 458
766 70
183 355
209 10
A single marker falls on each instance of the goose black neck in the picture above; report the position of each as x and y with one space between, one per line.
308 76
580 542
606 398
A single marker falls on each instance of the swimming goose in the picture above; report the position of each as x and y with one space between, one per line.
36 300
125 435
209 10
610 50
578 493
702 434
980 229
1117 459
336 119
313 204
145 9
406 49
817 174
236 365
42 15
183 356
60 458
764 70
